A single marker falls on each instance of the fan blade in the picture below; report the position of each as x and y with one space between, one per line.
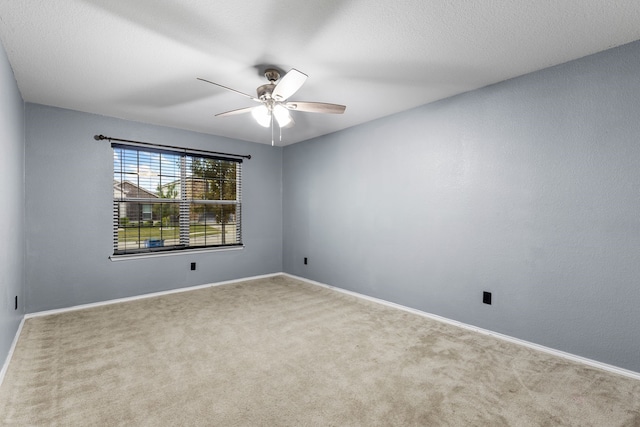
232 90
234 112
289 84
315 107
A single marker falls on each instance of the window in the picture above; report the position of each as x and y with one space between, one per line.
168 200
146 212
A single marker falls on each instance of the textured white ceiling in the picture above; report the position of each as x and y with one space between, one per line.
139 59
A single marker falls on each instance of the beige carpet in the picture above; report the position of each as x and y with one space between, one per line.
278 352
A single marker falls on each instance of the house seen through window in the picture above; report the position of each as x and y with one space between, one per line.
166 200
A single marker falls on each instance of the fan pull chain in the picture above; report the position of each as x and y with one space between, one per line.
272 143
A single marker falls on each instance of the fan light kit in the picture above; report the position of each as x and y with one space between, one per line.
273 98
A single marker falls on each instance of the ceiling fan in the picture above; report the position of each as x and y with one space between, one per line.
274 104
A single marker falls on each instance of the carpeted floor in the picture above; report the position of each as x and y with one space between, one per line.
278 352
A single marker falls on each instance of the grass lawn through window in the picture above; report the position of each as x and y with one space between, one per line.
139 234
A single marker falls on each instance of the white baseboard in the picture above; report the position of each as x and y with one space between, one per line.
552 351
5 366
150 295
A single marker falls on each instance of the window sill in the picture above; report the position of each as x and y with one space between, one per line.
172 253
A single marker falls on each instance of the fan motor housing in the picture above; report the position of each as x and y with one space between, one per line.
265 91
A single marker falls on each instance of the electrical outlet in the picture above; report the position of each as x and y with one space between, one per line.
486 297
305 260
193 266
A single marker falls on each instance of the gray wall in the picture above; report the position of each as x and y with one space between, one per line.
529 189
12 197
69 180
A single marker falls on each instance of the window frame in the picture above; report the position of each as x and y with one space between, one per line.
185 200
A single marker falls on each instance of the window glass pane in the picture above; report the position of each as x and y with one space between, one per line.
211 179
169 175
142 174
212 225
136 232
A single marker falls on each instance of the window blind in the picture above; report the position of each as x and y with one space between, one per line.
165 200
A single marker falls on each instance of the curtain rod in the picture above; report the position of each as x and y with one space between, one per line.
108 138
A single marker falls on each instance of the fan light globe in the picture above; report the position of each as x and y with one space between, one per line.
262 116
282 115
